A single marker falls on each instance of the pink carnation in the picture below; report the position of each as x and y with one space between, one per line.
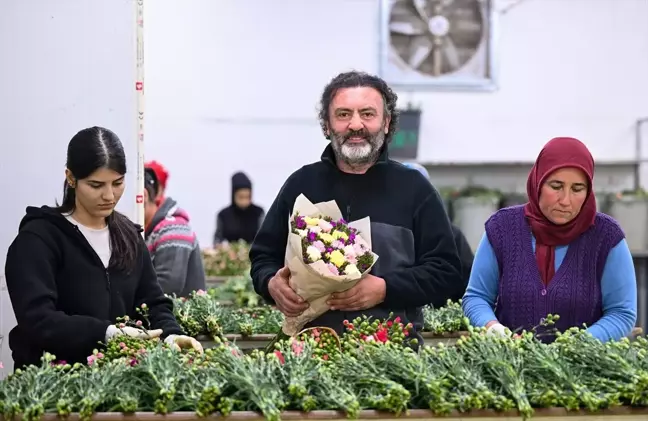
349 251
319 246
325 226
333 269
337 244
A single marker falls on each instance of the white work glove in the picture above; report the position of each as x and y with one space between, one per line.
498 329
113 331
179 342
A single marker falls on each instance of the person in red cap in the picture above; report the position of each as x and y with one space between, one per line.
171 242
162 176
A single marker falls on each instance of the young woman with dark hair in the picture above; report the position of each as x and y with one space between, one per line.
73 269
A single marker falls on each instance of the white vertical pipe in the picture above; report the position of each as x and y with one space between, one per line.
139 123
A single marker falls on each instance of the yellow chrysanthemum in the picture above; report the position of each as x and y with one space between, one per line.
340 235
311 222
337 258
326 237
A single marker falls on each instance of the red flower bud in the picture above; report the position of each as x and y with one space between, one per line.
279 355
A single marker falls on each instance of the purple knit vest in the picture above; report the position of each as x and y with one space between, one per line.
574 293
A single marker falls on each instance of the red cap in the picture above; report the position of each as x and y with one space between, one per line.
160 172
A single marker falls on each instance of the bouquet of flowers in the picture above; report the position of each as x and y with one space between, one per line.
325 254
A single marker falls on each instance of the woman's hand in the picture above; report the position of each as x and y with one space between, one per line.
498 329
133 332
179 342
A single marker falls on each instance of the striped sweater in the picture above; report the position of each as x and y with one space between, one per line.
175 250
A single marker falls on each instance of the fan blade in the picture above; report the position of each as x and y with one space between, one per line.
419 51
403 10
466 17
468 28
451 54
408 28
420 5
465 39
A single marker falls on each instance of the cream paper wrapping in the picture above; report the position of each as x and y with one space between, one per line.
314 282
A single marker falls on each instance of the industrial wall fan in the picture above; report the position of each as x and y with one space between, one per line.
438 42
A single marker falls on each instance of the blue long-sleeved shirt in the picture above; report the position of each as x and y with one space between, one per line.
618 290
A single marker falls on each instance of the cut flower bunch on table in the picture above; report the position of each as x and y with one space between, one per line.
480 372
202 314
227 259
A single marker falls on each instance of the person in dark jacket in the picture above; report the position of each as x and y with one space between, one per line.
418 262
465 252
73 269
240 220
171 242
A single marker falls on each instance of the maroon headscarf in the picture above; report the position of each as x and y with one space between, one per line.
558 153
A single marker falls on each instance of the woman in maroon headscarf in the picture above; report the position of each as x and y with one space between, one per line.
554 255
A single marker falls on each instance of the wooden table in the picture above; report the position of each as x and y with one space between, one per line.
553 414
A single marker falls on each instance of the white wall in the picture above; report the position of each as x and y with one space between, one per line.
234 84
65 65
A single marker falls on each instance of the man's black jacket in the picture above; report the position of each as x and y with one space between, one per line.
410 232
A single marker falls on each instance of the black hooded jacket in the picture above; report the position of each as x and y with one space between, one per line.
64 298
233 223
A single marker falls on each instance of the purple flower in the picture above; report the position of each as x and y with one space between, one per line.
312 237
342 221
300 223
352 237
329 249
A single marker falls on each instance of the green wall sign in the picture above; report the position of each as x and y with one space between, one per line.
404 144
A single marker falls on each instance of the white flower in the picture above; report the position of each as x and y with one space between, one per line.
315 229
352 270
302 233
313 253
369 338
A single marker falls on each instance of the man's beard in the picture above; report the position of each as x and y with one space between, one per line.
358 154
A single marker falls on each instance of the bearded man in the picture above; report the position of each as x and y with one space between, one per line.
410 230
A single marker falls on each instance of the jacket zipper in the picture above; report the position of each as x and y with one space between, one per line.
109 286
98 259
348 215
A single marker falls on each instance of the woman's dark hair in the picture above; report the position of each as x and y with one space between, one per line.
357 79
151 184
89 150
